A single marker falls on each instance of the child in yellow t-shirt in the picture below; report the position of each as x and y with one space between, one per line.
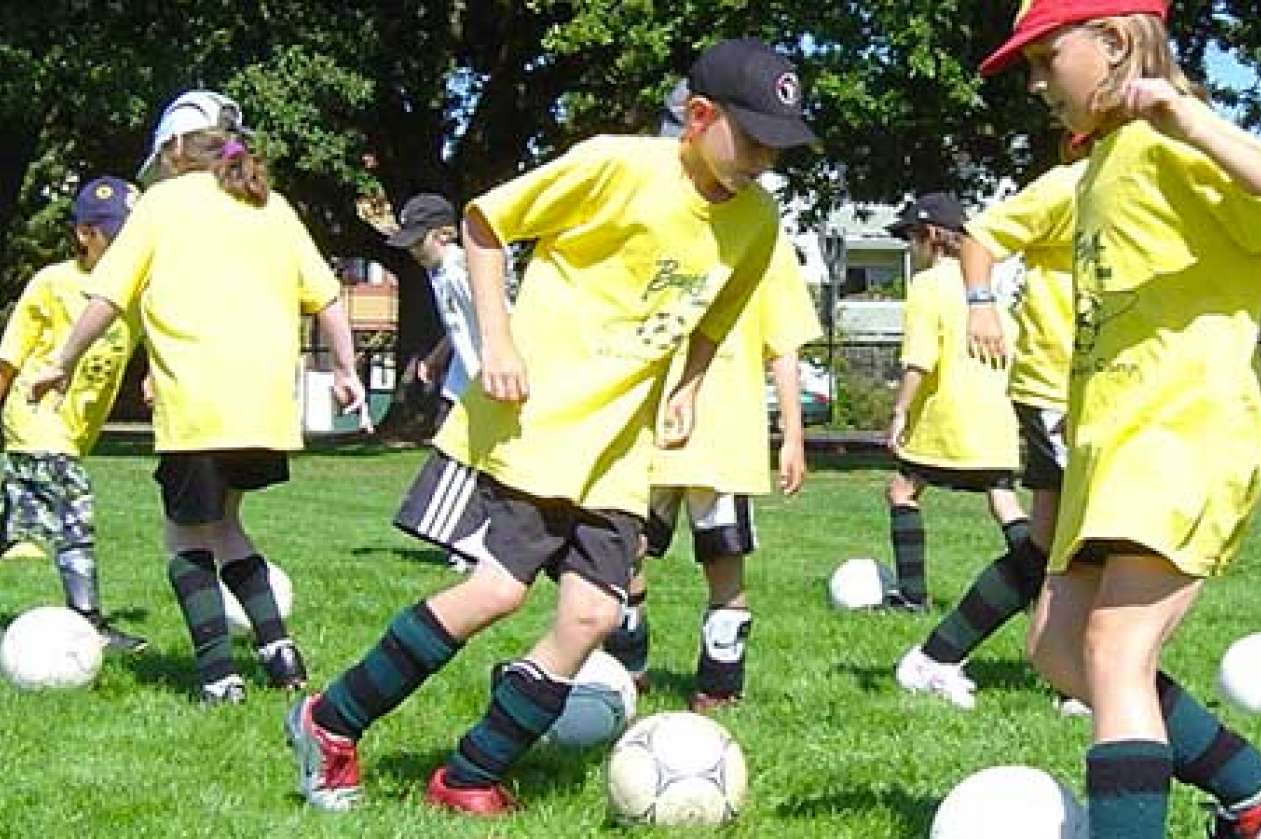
642 244
952 423
48 495
1164 406
1037 223
209 238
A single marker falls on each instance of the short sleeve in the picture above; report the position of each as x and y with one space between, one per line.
317 285
552 198
787 314
1040 215
123 271
735 294
920 334
1226 200
28 319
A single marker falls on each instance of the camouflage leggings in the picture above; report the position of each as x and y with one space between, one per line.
47 499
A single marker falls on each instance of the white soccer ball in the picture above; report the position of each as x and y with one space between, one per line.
1239 676
599 706
50 647
676 768
859 584
282 589
1005 801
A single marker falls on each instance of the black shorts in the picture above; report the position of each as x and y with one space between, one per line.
968 480
195 484
1046 453
722 522
473 515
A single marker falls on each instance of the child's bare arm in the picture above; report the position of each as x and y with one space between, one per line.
792 450
503 372
985 327
96 318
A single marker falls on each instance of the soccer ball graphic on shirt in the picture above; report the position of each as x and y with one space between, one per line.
50 647
987 804
600 704
859 584
676 768
1239 676
282 590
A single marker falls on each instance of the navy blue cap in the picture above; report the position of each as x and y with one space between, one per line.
421 213
940 209
105 203
758 87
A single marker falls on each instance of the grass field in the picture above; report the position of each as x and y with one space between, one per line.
834 749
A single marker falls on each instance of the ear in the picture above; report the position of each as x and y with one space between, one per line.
701 112
1116 43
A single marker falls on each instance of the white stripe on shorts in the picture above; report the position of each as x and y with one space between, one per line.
443 498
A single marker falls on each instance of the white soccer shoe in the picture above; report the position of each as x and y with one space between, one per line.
917 673
1070 707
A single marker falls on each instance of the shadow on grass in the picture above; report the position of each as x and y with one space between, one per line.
914 813
170 672
1012 675
544 770
671 684
424 555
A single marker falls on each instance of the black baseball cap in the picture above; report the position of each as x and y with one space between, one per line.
940 209
421 214
758 87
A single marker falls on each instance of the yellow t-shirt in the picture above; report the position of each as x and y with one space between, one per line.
629 260
221 287
960 417
41 321
1038 223
1164 419
729 449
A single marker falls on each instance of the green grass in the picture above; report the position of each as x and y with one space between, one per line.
834 749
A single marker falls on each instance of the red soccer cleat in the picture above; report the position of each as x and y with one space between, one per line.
1245 824
706 703
476 801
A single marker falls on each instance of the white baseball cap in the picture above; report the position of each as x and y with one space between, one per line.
195 110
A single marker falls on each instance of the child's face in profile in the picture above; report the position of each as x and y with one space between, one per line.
1065 69
428 249
92 244
733 157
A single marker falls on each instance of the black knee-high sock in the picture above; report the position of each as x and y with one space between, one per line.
1206 754
630 641
720 665
524 704
415 646
247 580
906 528
1015 532
1005 587
1128 785
192 575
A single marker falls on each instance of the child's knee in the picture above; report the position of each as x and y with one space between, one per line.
594 618
499 598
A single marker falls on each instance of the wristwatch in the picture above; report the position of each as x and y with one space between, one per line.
980 296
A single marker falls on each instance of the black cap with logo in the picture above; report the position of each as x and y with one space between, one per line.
940 209
421 214
758 87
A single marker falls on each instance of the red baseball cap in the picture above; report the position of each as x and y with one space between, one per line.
1043 16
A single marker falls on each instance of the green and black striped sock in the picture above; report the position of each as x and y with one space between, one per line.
247 580
1015 532
414 647
906 529
525 702
192 575
1128 785
1206 754
1005 587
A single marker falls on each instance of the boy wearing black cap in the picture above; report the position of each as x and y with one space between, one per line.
47 493
642 244
952 423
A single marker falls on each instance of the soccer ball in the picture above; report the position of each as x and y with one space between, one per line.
282 589
50 647
1239 676
676 768
1001 801
859 584
599 706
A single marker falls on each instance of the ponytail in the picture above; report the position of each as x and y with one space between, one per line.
240 172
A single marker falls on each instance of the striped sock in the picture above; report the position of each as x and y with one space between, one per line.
1006 586
630 641
1015 532
1206 754
526 700
414 647
1128 785
192 575
906 528
247 580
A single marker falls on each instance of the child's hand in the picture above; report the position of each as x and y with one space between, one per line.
503 373
1160 103
52 378
792 466
897 429
985 335
349 393
678 420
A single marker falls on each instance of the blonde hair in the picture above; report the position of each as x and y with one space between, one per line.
240 172
1147 55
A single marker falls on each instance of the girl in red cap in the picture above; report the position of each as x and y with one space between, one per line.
1164 407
